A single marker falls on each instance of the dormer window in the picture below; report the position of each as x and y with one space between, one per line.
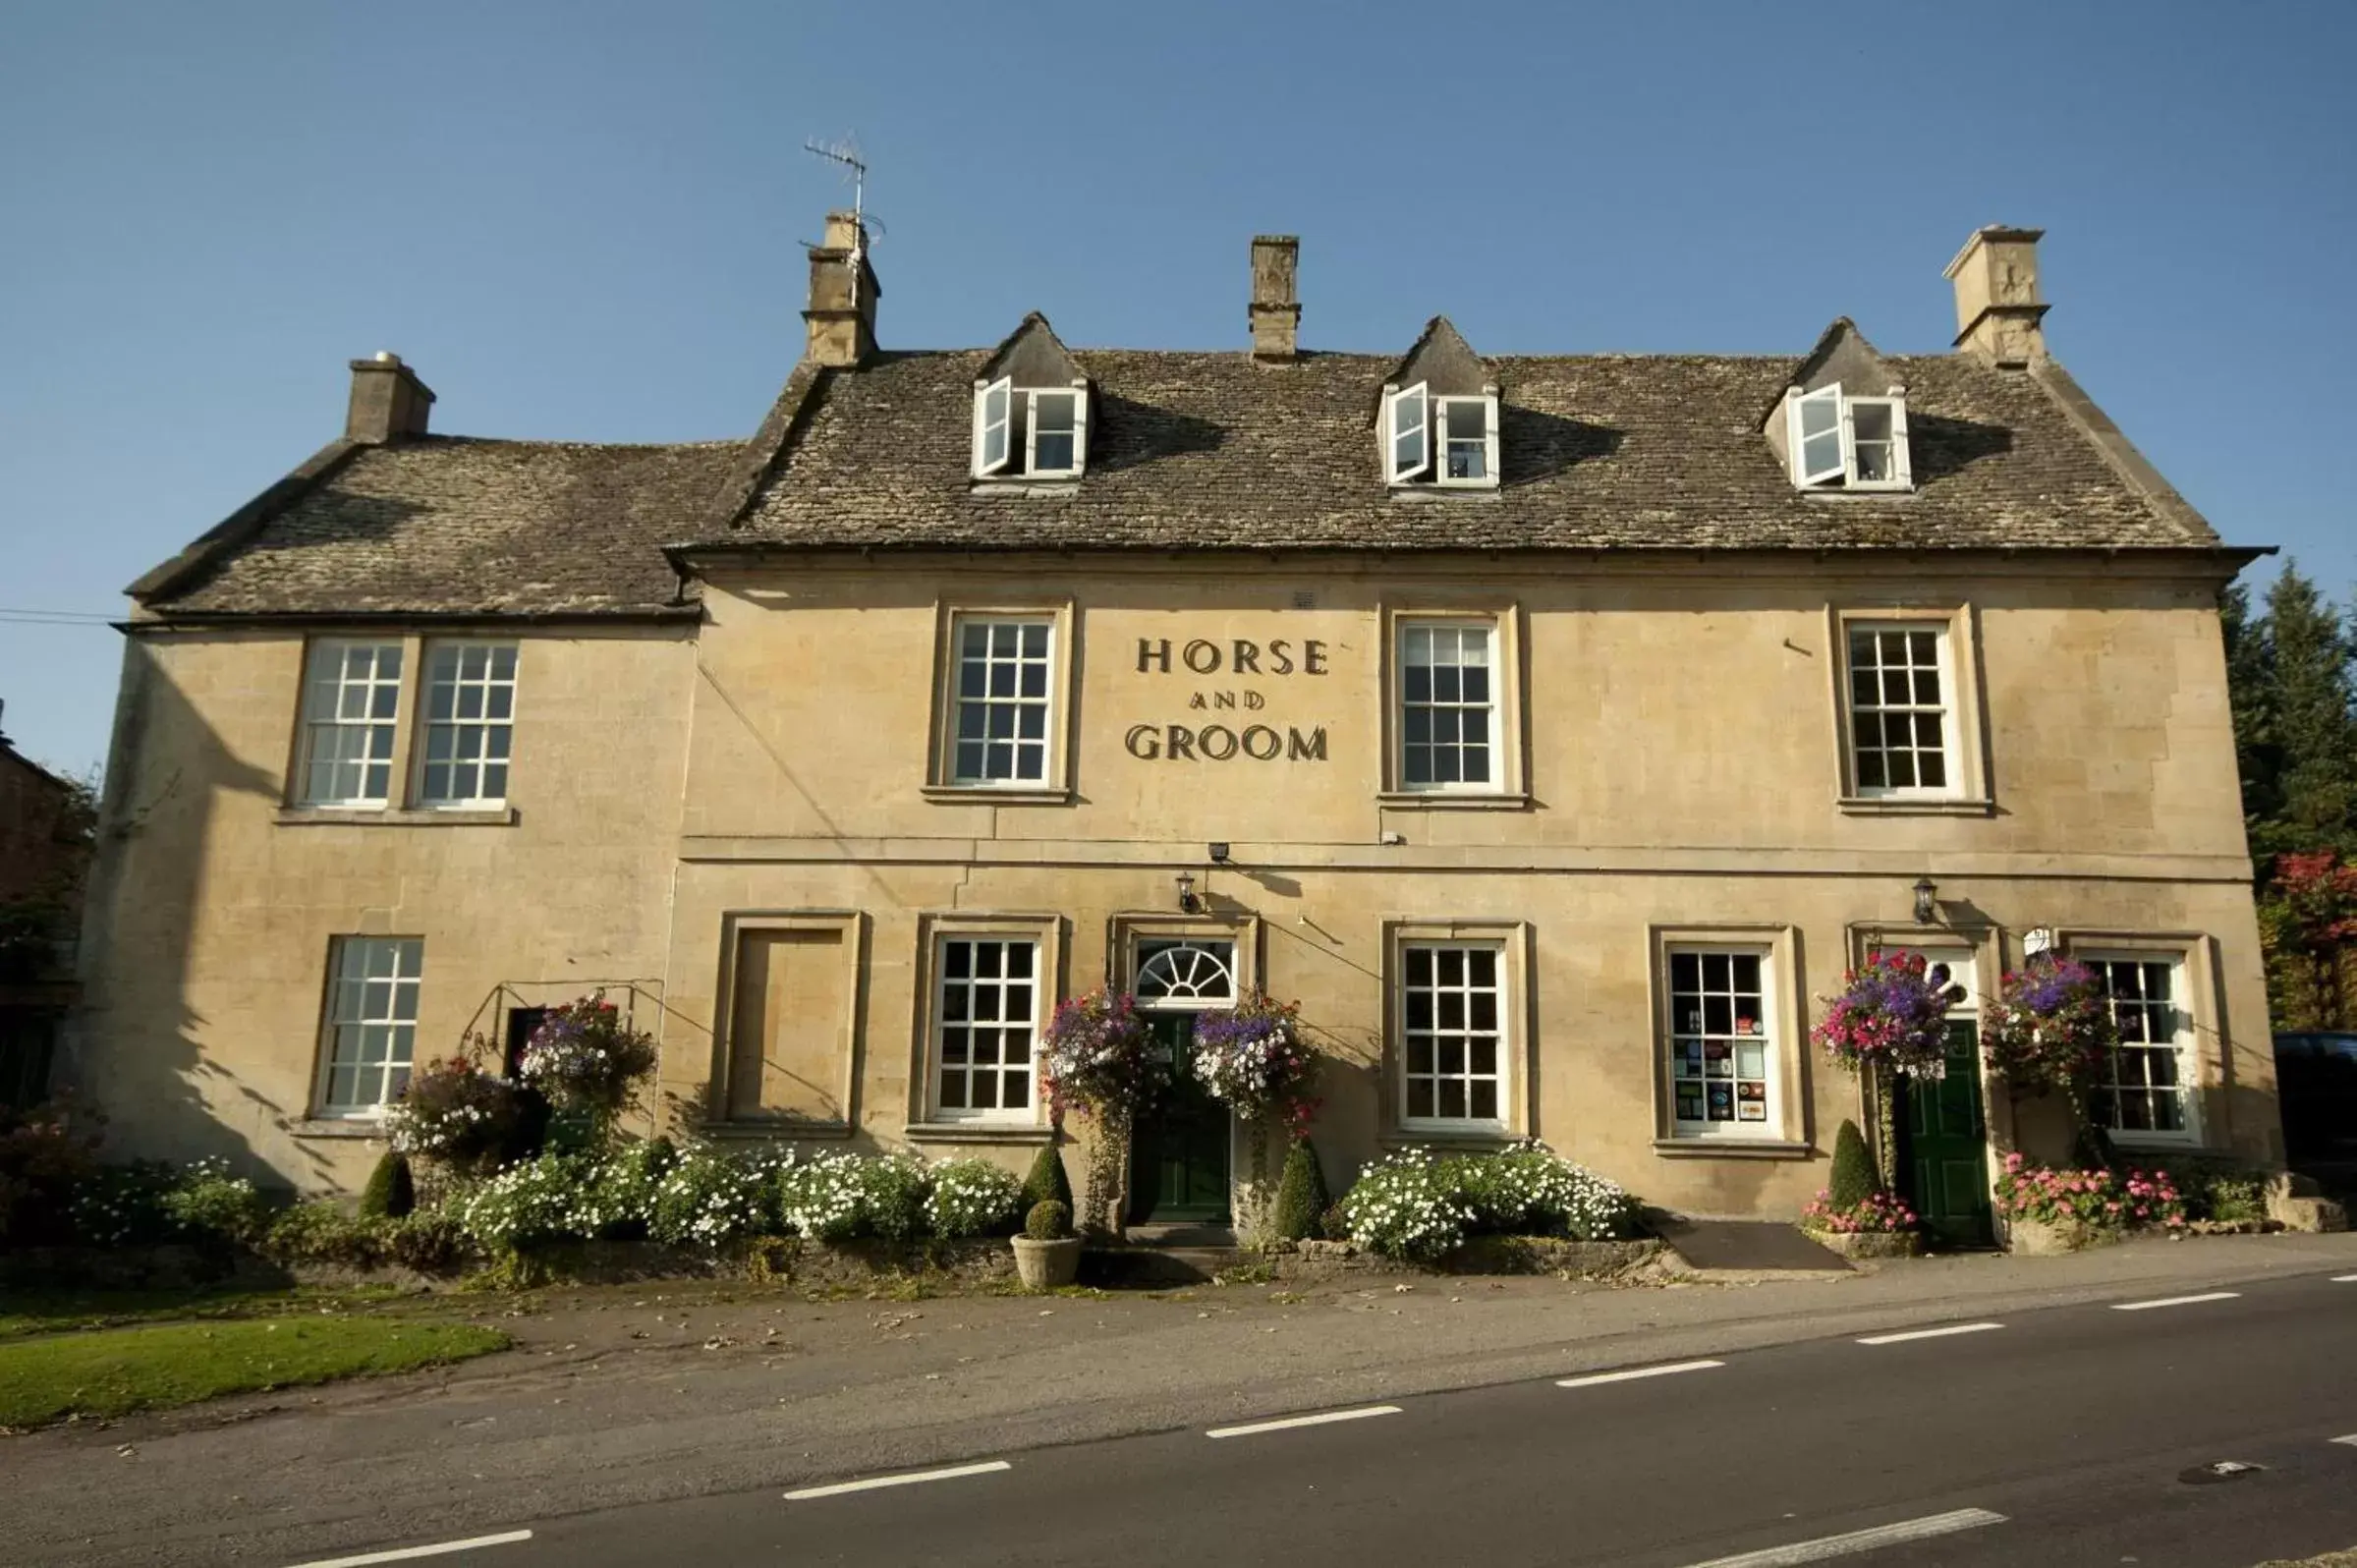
1029 432
1441 441
1839 442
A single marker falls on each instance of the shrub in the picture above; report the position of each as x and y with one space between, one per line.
453 1111
548 1198
47 1155
1405 1205
205 1203
124 1205
588 1061
1049 1221
1334 1223
893 1196
619 1195
323 1232
2219 1190
1854 1179
1047 1182
1877 1214
1530 1190
823 1199
974 1197
429 1242
1301 1196
2113 1199
707 1198
391 1191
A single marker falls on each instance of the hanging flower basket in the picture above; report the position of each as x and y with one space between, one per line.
455 1116
1252 1058
1892 1011
2050 1027
586 1060
1093 1058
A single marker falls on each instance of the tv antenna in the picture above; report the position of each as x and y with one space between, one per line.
846 152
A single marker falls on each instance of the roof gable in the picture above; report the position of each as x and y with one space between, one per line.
1033 355
1445 363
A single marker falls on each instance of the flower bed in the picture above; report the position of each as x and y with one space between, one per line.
1421 1206
2061 1211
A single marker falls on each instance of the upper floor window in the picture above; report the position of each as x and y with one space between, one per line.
350 699
1003 679
1840 442
1441 441
469 714
1902 734
1035 432
1447 706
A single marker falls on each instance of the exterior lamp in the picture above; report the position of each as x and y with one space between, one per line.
1187 904
1218 853
1926 901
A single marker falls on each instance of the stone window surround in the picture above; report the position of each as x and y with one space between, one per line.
1787 1136
1508 789
850 925
409 722
1968 792
941 759
2199 1064
924 1125
1517 1023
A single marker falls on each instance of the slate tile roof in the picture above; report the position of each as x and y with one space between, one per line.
446 524
1210 450
1188 451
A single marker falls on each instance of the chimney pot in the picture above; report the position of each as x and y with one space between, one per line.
1276 298
841 318
388 400
1998 309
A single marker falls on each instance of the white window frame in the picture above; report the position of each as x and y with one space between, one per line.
1396 402
1844 408
1027 1063
1444 441
1771 1022
1494 741
376 733
357 969
1049 663
2184 1043
1951 709
494 729
1079 393
987 424
1502 987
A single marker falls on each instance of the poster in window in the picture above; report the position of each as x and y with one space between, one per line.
1753 1110
1722 1103
1690 1102
1750 1061
1719 1059
1757 1091
1690 1054
1747 1026
1694 1021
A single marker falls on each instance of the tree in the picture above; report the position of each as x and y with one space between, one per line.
2297 704
2308 920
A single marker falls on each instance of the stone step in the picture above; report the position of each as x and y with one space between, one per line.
1155 1267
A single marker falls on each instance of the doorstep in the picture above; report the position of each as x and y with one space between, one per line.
1747 1247
1159 1256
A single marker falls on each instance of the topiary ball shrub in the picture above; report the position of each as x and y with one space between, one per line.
1853 1179
391 1191
1302 1198
1049 1221
1047 1183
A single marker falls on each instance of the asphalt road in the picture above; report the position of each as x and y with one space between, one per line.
2071 1436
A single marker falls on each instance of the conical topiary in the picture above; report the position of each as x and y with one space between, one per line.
1301 1194
391 1191
1047 1183
1853 1180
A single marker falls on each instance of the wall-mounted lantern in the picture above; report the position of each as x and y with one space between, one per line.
1926 901
1187 901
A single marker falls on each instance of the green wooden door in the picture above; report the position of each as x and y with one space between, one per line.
1179 1150
1946 1153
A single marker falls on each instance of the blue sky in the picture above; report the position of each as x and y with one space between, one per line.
581 221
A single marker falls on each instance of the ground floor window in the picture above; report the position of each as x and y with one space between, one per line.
986 1018
2143 1088
1452 1032
1721 1045
371 1026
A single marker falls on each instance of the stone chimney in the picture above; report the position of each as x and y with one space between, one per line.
1998 309
1276 298
841 318
388 400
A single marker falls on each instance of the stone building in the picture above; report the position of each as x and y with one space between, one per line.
1554 730
44 848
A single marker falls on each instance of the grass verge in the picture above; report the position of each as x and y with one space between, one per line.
111 1371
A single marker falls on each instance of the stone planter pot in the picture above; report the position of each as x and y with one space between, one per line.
1046 1264
1869 1243
2038 1238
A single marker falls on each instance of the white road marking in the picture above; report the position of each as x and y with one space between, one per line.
1635 1372
910 1478
2172 1300
406 1553
2344 1279
2350 1440
1928 1333
1859 1540
1320 1420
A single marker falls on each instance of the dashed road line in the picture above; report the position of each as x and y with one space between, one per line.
409 1554
1289 1422
1636 1373
2344 1279
2350 1440
1928 1333
1856 1541
905 1479
2173 1301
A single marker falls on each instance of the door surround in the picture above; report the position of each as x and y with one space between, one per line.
1974 955
1128 934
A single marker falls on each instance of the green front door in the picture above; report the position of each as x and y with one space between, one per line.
1179 1150
1946 1152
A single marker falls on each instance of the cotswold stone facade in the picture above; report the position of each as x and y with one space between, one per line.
1554 730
